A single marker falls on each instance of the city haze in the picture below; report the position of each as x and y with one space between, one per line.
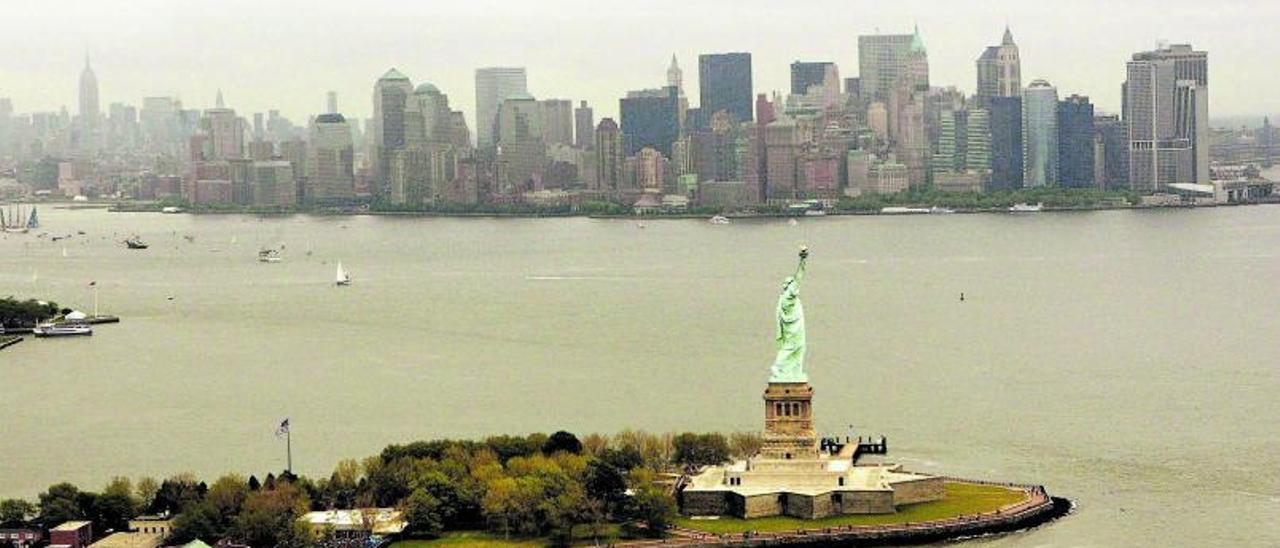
286 55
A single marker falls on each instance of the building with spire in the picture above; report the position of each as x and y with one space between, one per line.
999 70
89 114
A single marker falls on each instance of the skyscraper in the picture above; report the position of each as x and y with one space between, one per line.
675 76
650 118
881 61
1111 156
493 85
724 83
390 101
584 134
90 133
521 152
1075 142
557 121
610 158
88 93
330 160
1040 134
1006 143
808 73
1166 104
331 102
1000 70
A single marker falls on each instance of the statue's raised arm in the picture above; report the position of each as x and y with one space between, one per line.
788 365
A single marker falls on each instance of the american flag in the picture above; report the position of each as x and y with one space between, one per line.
283 429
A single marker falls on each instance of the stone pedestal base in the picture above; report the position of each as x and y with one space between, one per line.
788 422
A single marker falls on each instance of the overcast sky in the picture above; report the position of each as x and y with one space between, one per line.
286 54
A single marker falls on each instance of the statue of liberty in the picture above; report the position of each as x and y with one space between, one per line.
788 366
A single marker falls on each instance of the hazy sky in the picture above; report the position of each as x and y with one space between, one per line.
285 54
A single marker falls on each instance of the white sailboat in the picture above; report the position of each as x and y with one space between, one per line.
64 251
342 278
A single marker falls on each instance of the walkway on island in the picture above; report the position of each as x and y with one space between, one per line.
1038 507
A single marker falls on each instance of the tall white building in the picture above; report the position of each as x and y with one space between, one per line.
493 85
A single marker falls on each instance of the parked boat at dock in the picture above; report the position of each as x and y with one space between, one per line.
50 329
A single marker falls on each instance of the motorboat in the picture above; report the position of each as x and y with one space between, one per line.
51 329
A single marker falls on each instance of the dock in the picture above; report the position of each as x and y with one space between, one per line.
6 342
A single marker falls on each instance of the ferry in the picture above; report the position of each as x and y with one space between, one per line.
135 243
719 220
50 329
1026 208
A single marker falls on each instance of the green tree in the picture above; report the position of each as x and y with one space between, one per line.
115 506
422 513
562 441
145 491
270 518
605 483
701 449
650 505
62 502
16 510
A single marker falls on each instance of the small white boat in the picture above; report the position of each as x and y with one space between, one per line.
171 209
719 220
50 329
342 278
1026 208
943 210
792 222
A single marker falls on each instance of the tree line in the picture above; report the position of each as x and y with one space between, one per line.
16 313
557 487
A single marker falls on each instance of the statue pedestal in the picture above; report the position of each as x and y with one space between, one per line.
788 422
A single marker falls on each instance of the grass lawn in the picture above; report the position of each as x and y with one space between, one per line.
485 539
961 499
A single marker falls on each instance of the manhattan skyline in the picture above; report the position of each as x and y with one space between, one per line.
272 57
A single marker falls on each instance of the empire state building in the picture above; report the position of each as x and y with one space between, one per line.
89 114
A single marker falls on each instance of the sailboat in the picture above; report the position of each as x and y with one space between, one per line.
342 278
64 251
32 221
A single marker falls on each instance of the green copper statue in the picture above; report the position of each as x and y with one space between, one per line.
788 366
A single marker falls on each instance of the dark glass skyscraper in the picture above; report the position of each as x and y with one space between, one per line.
724 83
650 118
1006 143
1075 142
807 73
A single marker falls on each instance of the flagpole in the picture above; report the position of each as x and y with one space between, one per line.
288 448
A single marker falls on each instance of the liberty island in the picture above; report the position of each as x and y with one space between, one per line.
795 476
